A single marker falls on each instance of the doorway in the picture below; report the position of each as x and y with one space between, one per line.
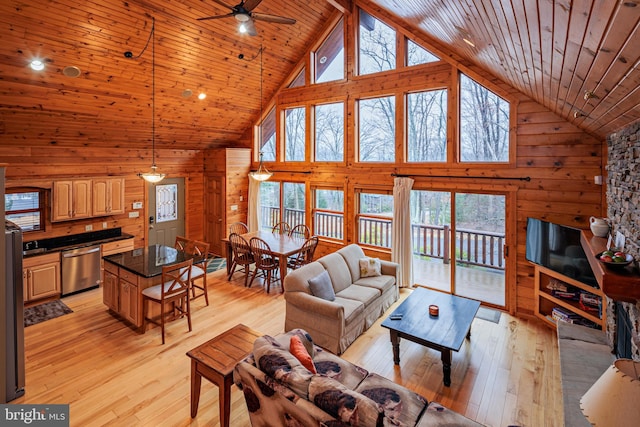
166 211
458 241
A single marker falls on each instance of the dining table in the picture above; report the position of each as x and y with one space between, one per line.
282 246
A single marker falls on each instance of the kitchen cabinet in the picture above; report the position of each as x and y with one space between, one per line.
41 276
71 200
129 302
110 287
108 196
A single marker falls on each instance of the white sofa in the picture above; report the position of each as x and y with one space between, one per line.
359 301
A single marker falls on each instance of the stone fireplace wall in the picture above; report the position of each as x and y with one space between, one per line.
623 200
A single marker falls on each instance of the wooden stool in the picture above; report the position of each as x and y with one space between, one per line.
215 361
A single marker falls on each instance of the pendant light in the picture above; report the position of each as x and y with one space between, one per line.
262 174
153 176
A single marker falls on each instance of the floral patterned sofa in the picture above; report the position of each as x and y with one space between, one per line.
289 381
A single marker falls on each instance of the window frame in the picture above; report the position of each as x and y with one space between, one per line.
358 215
315 210
42 206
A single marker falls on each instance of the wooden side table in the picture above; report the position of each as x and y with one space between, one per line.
215 361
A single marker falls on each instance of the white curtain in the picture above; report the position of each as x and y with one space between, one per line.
401 233
253 217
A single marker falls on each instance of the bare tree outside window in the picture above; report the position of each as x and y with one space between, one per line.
377 129
377 45
294 203
269 204
294 134
427 126
417 55
329 213
484 124
330 132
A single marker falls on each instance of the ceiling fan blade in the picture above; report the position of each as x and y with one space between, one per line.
221 3
273 18
249 5
215 17
250 28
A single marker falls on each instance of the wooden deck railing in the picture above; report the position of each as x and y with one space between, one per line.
472 247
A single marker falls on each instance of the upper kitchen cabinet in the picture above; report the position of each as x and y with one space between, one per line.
71 200
108 196
87 198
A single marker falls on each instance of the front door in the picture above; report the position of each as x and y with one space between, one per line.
166 211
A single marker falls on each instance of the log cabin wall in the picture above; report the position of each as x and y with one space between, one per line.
558 160
40 166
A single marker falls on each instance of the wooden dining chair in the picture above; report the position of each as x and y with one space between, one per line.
174 290
241 256
265 261
305 255
300 230
239 228
200 251
281 228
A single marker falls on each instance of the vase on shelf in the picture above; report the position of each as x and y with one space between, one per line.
599 226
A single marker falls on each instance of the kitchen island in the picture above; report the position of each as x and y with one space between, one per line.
127 274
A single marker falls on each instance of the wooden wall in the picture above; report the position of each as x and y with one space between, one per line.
551 176
40 166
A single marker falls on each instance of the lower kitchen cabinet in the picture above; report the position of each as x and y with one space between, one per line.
129 302
110 285
120 293
41 276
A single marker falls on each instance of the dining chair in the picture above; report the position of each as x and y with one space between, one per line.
173 289
239 228
281 228
241 255
200 251
300 230
305 255
265 261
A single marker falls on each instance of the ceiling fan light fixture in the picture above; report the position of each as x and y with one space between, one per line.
242 17
242 28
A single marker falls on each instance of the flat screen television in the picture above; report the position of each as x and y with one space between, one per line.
557 247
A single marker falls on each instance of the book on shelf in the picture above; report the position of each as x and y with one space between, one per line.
569 294
557 285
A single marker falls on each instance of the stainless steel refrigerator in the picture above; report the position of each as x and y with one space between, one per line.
12 333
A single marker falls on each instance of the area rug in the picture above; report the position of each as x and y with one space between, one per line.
216 264
488 314
45 311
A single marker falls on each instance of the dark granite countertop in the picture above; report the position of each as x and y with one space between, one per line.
147 262
74 241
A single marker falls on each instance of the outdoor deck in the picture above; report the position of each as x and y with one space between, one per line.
483 284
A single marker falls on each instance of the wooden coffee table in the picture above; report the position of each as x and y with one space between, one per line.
215 361
444 333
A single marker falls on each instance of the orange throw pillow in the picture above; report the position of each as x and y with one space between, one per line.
297 349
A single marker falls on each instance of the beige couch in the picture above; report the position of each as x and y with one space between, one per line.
359 301
280 391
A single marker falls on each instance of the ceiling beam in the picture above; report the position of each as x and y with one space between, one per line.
344 6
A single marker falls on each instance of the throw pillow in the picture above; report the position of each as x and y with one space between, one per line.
322 287
300 352
369 267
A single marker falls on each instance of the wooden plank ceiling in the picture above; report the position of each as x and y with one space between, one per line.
553 51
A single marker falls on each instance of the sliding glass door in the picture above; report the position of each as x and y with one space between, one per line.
458 242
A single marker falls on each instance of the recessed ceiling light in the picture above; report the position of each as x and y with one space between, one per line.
202 95
187 93
71 71
323 59
37 65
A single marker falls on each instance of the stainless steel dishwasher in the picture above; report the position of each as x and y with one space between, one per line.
80 269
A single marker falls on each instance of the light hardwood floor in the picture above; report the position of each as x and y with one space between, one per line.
507 374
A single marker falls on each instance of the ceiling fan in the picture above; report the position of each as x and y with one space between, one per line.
244 14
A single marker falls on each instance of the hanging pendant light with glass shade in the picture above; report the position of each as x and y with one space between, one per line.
153 176
262 174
